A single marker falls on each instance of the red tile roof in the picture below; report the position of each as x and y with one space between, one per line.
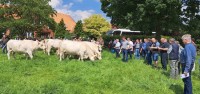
69 22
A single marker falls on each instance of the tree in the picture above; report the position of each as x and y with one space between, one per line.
26 15
78 30
145 15
191 16
61 31
96 25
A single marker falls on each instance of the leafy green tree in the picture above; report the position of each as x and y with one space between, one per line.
145 15
61 31
78 30
96 25
26 15
191 16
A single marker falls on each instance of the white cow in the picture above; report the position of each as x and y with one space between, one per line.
75 48
23 46
52 43
95 48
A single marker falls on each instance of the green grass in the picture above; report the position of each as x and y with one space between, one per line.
47 75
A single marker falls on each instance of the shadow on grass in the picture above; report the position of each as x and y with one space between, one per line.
177 89
166 73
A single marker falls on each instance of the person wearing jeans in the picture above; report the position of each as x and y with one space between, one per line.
173 52
155 51
124 49
143 49
148 50
163 53
188 57
130 48
137 49
117 48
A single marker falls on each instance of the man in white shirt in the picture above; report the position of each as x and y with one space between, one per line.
124 49
117 48
130 48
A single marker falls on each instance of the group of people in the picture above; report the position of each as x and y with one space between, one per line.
181 59
128 47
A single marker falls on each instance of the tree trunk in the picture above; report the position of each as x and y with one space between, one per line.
158 33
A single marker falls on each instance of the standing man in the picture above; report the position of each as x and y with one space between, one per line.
124 49
137 49
155 51
148 57
130 49
113 45
117 48
189 55
143 48
163 53
174 58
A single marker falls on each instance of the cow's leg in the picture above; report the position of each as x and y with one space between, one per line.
14 55
48 50
99 56
61 56
45 50
57 52
91 58
8 54
30 54
81 56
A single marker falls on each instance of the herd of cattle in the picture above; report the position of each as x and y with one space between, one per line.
82 49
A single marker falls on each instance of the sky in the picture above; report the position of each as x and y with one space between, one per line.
78 9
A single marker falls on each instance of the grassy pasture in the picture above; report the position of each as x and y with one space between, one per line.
47 75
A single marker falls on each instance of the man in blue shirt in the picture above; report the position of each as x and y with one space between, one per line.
148 57
188 56
155 51
143 48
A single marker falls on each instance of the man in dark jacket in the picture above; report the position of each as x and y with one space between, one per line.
173 57
148 50
163 53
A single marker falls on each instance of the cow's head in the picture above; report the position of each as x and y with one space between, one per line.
42 45
99 56
99 48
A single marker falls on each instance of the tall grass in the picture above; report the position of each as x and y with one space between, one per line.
47 75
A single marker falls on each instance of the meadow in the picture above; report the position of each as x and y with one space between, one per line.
47 75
